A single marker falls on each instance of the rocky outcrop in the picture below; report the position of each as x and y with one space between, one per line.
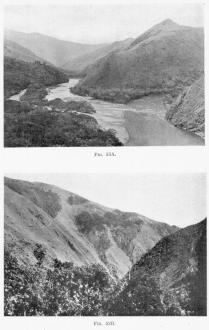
70 228
166 58
188 111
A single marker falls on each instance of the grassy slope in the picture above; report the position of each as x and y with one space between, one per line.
165 58
106 236
84 63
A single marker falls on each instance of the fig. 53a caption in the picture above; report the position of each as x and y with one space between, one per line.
99 154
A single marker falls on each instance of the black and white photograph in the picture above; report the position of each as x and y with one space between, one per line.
95 237
87 75
105 244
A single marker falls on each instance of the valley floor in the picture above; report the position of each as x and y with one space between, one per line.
139 123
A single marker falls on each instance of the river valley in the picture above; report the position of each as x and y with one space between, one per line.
139 123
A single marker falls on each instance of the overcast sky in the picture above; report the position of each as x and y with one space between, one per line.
178 199
98 23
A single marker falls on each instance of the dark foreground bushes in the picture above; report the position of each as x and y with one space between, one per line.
67 290
63 290
28 127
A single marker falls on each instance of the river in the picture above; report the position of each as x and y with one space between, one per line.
139 123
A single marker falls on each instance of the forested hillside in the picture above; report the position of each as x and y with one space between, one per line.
18 75
171 279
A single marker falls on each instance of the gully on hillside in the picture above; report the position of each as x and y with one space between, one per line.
66 255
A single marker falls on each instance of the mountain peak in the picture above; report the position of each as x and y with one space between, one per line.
168 21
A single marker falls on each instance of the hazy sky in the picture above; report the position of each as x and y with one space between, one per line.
178 199
98 23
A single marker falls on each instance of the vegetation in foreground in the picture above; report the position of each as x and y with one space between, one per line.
36 122
28 127
67 290
62 290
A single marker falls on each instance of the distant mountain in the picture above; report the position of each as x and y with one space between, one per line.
71 228
56 51
14 50
188 111
165 58
84 63
171 278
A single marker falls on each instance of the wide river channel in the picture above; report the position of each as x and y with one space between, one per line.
139 123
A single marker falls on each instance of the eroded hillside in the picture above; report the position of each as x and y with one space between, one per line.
70 228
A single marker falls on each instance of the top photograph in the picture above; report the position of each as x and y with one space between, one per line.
104 75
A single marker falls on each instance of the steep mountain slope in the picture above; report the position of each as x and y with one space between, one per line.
188 111
70 228
84 63
51 49
174 273
165 58
14 50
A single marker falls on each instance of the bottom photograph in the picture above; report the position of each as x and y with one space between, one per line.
105 244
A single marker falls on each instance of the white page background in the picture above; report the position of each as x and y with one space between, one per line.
82 160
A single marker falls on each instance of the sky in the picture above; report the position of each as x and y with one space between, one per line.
177 199
95 24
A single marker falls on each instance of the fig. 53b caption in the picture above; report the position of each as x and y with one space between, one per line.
106 323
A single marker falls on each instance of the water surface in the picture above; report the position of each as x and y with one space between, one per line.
139 123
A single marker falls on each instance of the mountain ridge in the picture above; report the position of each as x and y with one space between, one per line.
49 48
163 59
82 64
71 228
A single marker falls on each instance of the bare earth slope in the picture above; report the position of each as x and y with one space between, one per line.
51 49
188 111
71 228
165 58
